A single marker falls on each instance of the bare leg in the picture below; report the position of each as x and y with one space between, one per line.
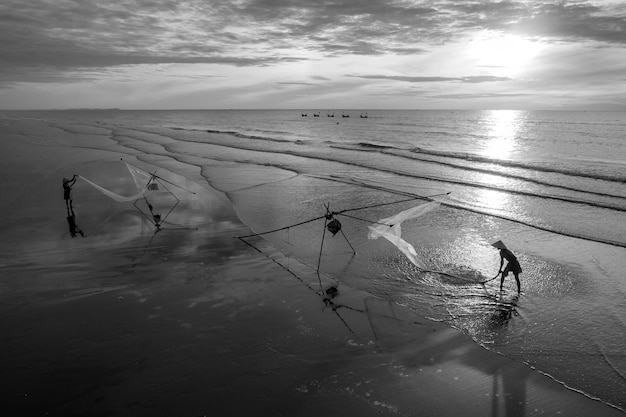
518 284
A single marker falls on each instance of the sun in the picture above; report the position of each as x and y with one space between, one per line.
502 55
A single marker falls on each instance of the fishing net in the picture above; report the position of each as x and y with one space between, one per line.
391 229
143 180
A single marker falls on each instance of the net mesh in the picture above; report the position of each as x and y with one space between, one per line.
143 180
391 229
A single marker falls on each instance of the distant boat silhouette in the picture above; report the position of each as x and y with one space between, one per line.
363 115
328 114
316 114
344 115
304 115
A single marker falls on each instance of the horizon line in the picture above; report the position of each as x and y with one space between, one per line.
310 109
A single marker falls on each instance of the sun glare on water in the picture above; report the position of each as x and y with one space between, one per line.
503 55
503 131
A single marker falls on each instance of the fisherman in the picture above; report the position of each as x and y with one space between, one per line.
511 266
67 191
71 220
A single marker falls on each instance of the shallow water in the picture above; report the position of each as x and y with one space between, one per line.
549 184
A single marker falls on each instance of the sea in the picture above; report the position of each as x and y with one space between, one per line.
550 184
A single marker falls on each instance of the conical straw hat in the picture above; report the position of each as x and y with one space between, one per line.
498 245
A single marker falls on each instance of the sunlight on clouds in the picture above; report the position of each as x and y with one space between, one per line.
242 53
504 55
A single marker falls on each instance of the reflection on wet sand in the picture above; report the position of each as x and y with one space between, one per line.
505 310
506 384
71 221
396 329
414 345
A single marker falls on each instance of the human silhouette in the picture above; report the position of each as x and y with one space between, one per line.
71 221
67 191
511 266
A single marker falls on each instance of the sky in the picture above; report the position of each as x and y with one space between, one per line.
313 54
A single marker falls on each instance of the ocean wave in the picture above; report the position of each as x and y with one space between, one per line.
457 179
590 201
547 166
595 160
238 134
535 166
465 157
370 145
529 167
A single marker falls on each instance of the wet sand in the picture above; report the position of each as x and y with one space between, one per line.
193 322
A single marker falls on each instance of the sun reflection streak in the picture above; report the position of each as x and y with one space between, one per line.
503 130
493 199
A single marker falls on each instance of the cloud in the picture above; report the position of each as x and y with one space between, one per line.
468 79
575 22
67 34
88 34
269 42
472 96
297 83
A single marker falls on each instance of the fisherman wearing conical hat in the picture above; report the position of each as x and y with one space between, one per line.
511 266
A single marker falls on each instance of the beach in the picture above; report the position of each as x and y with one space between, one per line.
190 321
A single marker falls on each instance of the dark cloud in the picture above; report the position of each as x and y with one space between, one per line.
574 22
70 33
65 59
296 83
406 50
88 34
319 78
